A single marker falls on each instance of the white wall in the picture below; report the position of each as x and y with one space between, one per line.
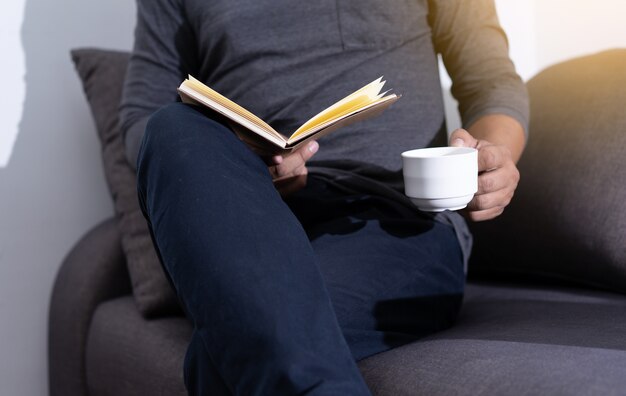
51 182
12 76
52 188
568 28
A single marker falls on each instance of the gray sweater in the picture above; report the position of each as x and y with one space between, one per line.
286 60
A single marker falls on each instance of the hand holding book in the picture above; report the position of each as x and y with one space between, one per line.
289 172
361 104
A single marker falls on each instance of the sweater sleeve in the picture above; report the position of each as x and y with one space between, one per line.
163 54
474 49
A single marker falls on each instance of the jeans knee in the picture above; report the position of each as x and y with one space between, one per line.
181 142
177 130
167 126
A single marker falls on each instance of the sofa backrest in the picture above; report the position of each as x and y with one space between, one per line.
568 218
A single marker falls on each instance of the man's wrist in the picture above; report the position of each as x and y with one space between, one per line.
500 129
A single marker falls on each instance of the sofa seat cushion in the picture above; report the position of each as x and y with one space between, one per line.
514 340
482 367
129 355
508 340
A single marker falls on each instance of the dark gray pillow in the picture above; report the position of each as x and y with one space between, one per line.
568 218
102 74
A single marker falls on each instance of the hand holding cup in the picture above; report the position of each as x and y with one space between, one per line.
440 178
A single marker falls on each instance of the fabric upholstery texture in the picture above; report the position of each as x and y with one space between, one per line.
478 367
144 357
515 340
102 74
521 340
92 272
568 218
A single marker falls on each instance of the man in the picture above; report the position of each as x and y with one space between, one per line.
292 268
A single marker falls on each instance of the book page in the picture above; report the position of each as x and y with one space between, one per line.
224 102
361 104
358 99
346 118
189 95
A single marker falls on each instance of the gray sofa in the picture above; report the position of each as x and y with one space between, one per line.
545 307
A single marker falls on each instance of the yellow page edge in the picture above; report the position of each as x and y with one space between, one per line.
195 96
370 92
317 128
222 100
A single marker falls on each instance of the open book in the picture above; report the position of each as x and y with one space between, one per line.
364 103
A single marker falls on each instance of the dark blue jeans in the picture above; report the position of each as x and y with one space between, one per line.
285 295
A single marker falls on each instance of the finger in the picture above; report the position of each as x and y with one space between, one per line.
294 162
500 198
278 181
497 179
287 169
303 154
485 214
490 157
462 138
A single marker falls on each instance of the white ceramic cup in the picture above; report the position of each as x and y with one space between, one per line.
440 178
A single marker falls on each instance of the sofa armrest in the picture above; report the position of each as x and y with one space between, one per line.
93 271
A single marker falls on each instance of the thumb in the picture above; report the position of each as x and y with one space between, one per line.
308 150
462 138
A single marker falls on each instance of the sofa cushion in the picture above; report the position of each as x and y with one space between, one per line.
478 367
102 74
508 340
568 218
514 341
129 355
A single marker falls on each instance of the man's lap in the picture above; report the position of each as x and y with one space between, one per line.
391 277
